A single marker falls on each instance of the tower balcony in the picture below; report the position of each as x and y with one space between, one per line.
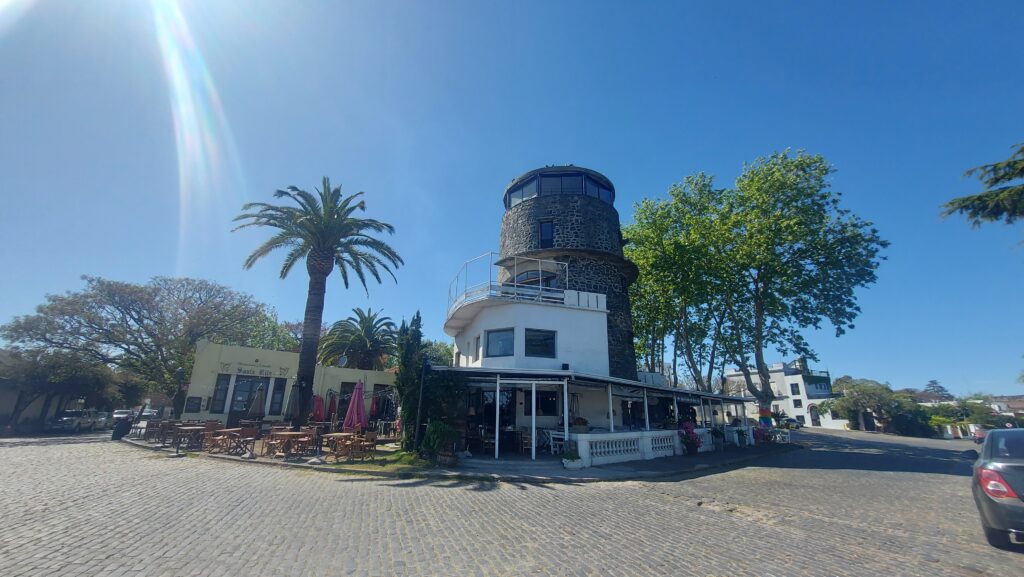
490 280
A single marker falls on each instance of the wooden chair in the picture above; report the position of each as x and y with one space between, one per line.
524 441
211 436
340 447
369 444
243 442
273 445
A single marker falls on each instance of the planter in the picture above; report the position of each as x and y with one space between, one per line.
573 465
447 459
691 449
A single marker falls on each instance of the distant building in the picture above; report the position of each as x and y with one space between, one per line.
798 391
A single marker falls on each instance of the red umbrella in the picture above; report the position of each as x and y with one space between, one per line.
318 408
355 417
332 407
373 407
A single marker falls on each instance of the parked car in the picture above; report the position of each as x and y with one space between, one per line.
148 414
103 420
979 435
123 414
998 487
73 421
791 423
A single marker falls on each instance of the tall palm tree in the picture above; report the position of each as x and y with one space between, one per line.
321 230
365 341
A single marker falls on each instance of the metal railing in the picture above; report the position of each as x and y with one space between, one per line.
482 278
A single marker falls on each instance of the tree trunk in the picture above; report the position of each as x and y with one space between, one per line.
311 322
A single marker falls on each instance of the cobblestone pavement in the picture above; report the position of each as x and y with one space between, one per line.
850 504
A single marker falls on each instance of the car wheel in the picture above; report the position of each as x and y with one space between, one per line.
996 538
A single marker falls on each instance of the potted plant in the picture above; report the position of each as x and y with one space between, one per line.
571 459
688 434
439 443
669 423
741 437
718 437
580 425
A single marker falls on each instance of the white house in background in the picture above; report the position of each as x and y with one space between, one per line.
543 334
798 391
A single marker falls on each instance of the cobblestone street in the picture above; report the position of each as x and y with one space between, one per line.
849 504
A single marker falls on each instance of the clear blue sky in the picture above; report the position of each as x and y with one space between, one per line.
131 133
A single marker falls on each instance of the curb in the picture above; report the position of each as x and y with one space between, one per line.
478 477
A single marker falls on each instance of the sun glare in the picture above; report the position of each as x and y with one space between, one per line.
209 176
11 11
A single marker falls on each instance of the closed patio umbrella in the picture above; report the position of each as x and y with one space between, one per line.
355 417
291 411
332 406
257 404
373 407
318 409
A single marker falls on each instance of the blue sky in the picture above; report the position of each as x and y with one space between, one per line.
131 133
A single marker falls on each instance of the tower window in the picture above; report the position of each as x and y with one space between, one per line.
547 234
540 343
500 343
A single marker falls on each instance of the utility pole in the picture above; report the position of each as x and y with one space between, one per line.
419 404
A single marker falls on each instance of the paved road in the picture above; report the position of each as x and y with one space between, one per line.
851 504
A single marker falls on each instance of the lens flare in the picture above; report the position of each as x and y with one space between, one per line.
209 175
11 11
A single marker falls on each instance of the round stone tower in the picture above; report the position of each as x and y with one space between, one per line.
567 214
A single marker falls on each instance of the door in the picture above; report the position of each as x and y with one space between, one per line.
815 417
245 386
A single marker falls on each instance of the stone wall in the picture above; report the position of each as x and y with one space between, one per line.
591 228
582 222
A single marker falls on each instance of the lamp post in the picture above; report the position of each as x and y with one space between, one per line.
419 404
179 375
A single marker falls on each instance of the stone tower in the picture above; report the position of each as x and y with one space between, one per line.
567 214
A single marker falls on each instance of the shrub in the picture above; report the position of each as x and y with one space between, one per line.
440 437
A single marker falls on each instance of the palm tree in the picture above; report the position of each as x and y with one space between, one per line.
365 340
321 230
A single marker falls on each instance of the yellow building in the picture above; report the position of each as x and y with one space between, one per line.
224 377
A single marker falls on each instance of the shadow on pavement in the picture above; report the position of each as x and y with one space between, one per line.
13 442
826 451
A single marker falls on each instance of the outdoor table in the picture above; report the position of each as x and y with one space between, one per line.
193 436
289 437
334 438
221 433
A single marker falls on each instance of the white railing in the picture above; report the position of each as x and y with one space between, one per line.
707 440
605 448
664 445
482 277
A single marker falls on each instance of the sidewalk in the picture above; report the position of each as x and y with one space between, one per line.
546 470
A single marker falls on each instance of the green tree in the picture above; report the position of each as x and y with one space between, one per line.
409 343
148 331
937 391
797 257
39 373
366 340
1002 199
322 230
440 353
860 395
677 244
266 332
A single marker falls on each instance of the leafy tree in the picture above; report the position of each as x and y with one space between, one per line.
322 230
38 373
409 344
684 280
440 353
366 340
1001 199
265 332
935 390
778 416
860 395
148 331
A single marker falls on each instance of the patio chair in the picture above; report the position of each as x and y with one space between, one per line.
369 444
210 435
243 442
357 448
524 441
273 445
307 443
339 447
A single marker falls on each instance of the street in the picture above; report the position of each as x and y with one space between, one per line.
849 504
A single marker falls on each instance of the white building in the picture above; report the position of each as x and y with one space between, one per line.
798 391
